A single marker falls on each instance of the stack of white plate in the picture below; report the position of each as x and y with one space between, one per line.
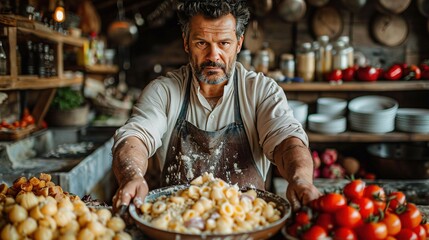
373 114
324 123
414 120
331 106
300 110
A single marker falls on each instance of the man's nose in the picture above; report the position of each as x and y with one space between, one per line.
213 53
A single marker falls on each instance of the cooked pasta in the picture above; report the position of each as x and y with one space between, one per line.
210 206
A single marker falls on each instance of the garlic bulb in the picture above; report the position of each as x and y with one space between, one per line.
28 200
27 227
116 224
17 214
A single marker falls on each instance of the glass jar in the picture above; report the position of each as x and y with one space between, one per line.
339 56
305 61
287 65
324 61
245 58
262 61
348 49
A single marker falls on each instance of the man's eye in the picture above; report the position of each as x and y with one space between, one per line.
225 44
201 44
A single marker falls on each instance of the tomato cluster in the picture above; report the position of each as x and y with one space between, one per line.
359 211
26 120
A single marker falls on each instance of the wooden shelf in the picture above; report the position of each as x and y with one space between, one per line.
34 82
358 86
367 137
38 29
97 69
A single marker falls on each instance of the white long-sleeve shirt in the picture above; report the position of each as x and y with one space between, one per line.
267 117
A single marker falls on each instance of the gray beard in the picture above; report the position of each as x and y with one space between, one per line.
198 71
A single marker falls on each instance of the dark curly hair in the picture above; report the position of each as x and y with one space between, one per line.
186 9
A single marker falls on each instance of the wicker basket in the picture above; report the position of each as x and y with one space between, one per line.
112 107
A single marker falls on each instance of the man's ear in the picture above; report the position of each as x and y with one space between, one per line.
240 43
185 43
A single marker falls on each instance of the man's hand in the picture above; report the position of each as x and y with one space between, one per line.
134 190
301 192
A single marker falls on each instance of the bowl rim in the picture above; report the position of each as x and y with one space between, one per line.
286 212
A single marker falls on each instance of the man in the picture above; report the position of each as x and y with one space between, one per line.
212 115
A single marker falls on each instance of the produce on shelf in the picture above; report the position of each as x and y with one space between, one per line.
329 164
359 211
36 208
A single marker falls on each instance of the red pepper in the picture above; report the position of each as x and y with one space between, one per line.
412 72
425 74
334 75
368 74
349 74
393 73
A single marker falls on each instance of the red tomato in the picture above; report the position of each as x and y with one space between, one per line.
377 195
326 221
372 230
406 234
349 74
331 202
314 233
347 216
396 199
367 74
394 72
344 233
354 189
426 226
421 232
334 75
302 218
393 223
315 204
365 206
411 217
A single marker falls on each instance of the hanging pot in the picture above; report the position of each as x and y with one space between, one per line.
354 5
292 10
423 6
261 7
394 6
122 31
317 3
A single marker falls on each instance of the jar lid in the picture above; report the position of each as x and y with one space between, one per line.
286 56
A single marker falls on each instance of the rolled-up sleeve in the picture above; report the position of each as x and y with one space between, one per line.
275 119
148 121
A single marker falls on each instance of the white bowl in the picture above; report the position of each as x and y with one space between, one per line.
331 106
300 110
377 105
324 123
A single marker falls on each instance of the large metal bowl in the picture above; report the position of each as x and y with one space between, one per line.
399 160
261 233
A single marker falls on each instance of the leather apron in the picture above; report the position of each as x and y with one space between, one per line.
226 153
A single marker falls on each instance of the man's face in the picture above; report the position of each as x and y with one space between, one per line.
212 47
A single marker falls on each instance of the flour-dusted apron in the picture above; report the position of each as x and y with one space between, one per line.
226 153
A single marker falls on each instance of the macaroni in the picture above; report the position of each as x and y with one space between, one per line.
210 206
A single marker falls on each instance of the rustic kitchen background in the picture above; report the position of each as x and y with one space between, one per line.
145 40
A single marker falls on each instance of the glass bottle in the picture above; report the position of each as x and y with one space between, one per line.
3 60
324 62
52 62
30 68
41 61
305 62
46 60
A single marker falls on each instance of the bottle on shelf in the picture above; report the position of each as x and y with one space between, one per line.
3 61
305 61
262 61
324 60
46 60
348 49
30 67
245 58
41 61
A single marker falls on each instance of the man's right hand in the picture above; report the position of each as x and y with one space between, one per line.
135 189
